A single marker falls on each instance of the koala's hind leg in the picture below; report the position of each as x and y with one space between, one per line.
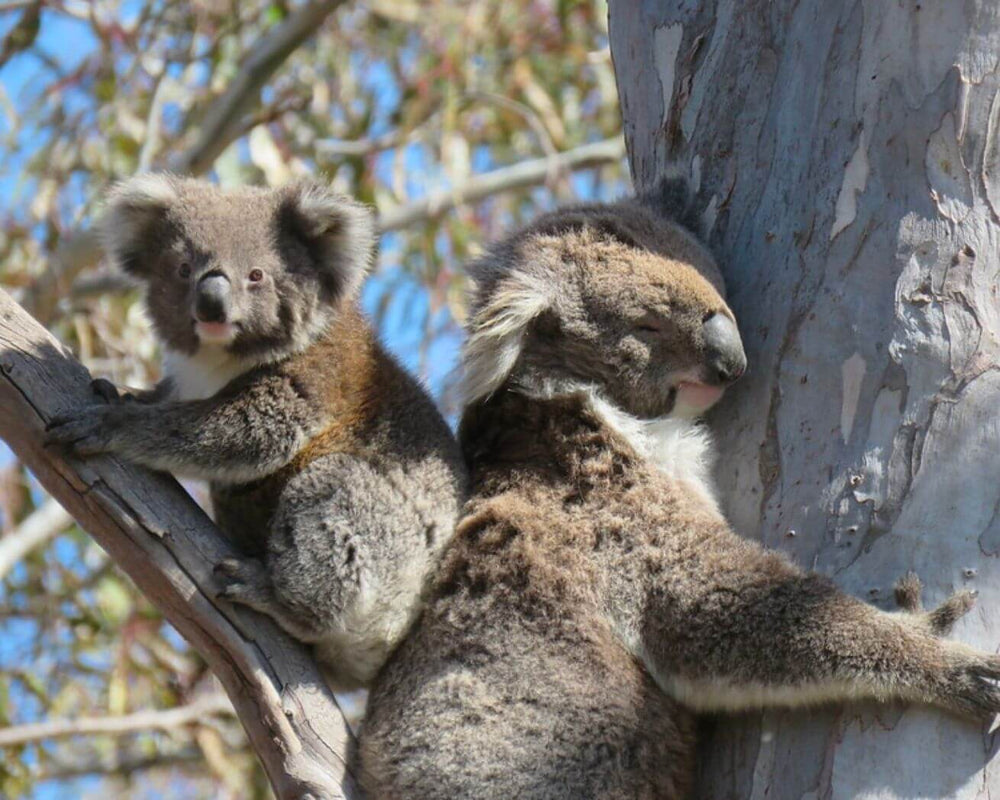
245 581
348 551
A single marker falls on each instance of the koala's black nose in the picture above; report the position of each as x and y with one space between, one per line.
212 300
726 360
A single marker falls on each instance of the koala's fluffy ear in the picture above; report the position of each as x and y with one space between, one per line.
338 231
136 213
496 333
672 197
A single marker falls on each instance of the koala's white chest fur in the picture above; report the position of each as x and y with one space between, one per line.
202 375
680 447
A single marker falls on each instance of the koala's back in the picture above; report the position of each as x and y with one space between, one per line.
573 716
515 681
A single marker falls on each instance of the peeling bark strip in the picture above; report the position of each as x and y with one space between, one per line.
849 170
167 545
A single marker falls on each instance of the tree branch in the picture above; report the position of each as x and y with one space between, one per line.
352 148
41 525
167 545
63 767
163 720
266 56
533 172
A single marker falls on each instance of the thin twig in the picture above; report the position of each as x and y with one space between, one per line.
528 114
63 767
169 719
153 138
266 56
41 526
348 148
519 176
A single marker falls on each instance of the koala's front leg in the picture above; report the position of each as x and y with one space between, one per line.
795 639
241 435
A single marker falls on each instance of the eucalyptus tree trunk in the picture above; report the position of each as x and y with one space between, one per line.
849 173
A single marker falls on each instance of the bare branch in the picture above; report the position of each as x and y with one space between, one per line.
533 172
154 137
329 149
101 282
76 251
166 544
163 720
528 114
266 56
65 766
42 525
346 148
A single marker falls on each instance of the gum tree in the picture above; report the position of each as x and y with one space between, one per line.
848 168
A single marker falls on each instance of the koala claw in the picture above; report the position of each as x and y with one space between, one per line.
973 687
84 432
108 393
105 390
941 619
908 591
242 580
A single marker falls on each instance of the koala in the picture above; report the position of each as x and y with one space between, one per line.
330 468
594 598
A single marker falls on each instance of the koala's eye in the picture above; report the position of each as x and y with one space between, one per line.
649 324
256 276
184 269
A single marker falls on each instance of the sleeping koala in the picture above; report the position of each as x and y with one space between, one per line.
329 466
594 596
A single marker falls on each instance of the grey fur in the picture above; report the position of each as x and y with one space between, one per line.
594 597
329 466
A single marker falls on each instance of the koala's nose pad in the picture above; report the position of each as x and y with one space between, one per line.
212 300
726 360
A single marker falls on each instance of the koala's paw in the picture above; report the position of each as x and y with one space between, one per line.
973 686
86 431
939 620
105 391
108 393
243 580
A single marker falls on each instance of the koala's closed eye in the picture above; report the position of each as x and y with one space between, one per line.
650 323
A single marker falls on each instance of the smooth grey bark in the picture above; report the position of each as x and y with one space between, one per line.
848 163
168 546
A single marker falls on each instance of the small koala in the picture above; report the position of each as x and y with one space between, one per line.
594 597
329 466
